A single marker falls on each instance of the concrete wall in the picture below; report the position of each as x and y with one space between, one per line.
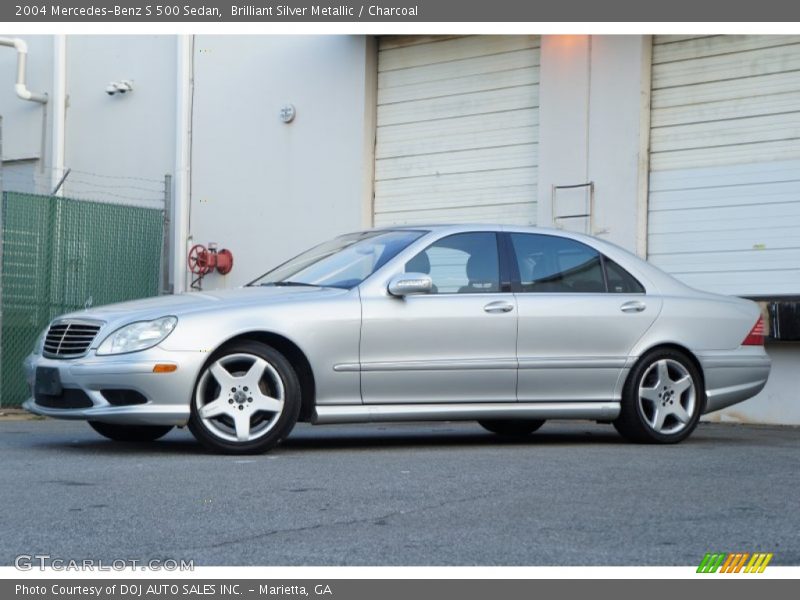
563 117
266 189
109 139
130 135
593 127
26 124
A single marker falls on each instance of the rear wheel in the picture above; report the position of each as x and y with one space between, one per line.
246 400
662 400
130 433
516 427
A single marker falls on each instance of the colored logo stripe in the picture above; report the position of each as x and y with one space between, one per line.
758 563
711 563
734 562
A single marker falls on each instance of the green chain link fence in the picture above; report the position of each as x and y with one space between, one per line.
62 254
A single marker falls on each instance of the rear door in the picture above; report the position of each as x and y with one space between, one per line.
580 315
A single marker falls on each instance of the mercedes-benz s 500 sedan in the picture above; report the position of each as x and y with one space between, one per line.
505 325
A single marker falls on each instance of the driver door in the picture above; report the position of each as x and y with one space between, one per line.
455 344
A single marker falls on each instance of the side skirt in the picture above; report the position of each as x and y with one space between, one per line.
360 413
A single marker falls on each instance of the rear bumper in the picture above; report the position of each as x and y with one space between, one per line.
734 376
167 395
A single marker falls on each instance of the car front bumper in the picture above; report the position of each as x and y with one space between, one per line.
166 396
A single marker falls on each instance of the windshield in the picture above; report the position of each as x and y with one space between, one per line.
343 262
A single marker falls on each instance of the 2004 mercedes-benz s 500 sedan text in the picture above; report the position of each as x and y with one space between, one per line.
505 325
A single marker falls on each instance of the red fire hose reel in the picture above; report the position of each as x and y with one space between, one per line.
203 261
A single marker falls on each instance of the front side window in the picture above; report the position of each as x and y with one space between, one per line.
343 262
464 263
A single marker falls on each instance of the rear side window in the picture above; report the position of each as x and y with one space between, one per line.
620 281
550 264
556 265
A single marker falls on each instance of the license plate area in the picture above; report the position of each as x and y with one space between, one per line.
48 382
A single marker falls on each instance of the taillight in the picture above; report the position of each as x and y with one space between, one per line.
756 335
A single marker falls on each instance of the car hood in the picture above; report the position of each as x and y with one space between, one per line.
192 302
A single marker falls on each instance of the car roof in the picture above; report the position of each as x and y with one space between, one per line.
458 227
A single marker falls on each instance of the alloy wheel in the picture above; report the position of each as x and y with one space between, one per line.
667 396
240 397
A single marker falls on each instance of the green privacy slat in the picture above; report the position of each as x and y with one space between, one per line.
60 253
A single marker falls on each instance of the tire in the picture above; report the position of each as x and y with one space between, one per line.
512 428
246 399
130 433
662 400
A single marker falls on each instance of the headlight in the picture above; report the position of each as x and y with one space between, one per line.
138 336
39 345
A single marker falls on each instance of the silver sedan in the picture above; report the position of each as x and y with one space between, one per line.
508 326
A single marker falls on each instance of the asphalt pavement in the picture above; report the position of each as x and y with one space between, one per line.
573 493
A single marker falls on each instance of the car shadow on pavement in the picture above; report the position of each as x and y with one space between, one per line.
442 439
112 448
323 440
419 436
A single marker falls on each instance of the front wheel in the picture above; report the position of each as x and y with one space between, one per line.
130 433
512 428
246 400
662 400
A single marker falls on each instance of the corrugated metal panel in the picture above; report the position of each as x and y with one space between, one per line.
731 89
443 50
734 108
694 48
709 134
724 206
668 39
458 129
725 66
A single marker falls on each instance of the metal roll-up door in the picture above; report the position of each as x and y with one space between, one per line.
457 129
724 202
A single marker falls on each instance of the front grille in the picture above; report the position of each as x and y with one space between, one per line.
69 339
68 398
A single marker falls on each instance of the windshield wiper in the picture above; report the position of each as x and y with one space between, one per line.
291 283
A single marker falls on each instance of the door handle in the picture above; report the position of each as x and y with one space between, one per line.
633 306
498 307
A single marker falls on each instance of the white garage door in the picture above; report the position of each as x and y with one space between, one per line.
457 131
724 212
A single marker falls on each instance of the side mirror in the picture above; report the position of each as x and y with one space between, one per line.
407 284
